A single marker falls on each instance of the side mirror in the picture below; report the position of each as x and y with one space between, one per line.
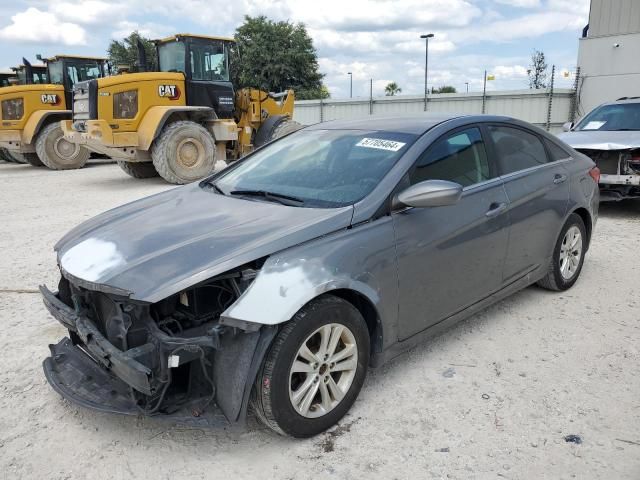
566 127
430 193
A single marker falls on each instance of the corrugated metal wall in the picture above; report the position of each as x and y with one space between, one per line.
614 17
529 105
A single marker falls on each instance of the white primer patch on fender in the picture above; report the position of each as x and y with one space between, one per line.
91 259
380 144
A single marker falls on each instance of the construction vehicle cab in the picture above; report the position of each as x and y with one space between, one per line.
31 74
31 112
7 79
180 121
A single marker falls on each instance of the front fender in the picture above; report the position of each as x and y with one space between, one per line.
361 259
155 118
37 119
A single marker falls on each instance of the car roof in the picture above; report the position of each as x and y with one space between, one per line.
415 124
623 100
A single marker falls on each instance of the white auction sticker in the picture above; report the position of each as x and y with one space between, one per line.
380 144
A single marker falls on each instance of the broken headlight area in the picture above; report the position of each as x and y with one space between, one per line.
170 357
615 162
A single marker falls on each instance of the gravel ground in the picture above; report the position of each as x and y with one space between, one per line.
493 397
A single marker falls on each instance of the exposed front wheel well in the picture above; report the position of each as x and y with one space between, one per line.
368 312
588 223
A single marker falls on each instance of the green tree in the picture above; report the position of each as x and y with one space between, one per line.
445 89
125 52
537 70
275 56
392 89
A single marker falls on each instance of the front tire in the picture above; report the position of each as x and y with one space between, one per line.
184 152
57 153
568 256
314 369
138 169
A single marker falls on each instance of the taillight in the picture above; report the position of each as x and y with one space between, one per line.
595 174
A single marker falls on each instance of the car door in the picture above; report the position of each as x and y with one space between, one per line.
538 192
452 256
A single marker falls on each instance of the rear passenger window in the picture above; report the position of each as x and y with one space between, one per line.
517 149
555 152
459 158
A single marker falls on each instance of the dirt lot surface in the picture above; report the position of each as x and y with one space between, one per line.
493 397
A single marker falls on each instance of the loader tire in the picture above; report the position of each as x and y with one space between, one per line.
274 127
4 155
33 159
16 156
184 152
57 153
138 169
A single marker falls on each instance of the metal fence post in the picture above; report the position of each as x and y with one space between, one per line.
484 93
371 96
573 106
550 104
321 111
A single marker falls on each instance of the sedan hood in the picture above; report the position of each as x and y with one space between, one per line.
160 245
602 140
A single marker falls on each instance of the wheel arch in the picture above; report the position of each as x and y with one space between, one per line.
157 117
588 221
368 311
40 119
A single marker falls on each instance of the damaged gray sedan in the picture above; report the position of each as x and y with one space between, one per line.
273 285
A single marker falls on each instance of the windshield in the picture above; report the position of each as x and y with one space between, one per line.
82 71
209 61
321 168
22 76
171 57
55 72
621 116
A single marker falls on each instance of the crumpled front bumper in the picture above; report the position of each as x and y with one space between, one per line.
89 371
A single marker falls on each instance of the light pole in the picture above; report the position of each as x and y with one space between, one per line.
467 84
426 65
350 84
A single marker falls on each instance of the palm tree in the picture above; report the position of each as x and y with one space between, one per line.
392 89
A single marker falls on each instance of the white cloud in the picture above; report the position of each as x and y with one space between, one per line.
36 26
89 12
520 3
149 30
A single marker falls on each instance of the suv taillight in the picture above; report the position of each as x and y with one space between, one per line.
595 174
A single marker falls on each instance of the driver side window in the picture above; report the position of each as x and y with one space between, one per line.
459 157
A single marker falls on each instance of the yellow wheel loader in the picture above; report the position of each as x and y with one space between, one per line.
180 121
32 112
19 77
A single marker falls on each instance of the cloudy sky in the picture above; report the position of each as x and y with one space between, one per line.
376 39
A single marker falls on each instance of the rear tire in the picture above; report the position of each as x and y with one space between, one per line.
5 156
57 153
273 128
33 159
568 256
17 157
138 169
184 152
296 395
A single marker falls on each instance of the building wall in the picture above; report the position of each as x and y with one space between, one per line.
614 17
609 57
529 105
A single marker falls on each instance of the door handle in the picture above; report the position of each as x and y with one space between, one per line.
559 178
496 209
